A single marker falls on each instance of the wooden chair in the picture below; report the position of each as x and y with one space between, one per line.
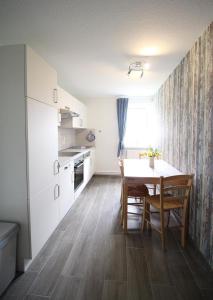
135 191
174 195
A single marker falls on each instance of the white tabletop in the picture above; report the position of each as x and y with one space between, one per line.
139 168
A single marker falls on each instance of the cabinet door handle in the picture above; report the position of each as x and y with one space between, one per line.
56 167
56 194
59 191
55 96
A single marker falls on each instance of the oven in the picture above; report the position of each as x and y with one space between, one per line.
78 172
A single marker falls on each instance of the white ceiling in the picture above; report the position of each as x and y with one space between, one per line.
91 42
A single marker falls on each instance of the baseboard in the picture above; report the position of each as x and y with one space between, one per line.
108 173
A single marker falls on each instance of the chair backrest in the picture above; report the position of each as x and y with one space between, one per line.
177 187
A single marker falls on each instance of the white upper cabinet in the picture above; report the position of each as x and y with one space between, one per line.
64 99
67 101
41 79
80 108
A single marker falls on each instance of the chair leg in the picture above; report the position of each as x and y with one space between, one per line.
125 199
148 223
122 209
168 219
184 228
162 230
144 215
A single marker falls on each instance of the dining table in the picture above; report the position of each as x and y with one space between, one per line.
138 171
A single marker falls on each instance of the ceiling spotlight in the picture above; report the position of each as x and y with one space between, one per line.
137 68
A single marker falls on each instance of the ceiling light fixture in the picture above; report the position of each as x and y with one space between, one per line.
137 68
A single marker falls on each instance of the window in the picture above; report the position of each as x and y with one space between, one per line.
140 127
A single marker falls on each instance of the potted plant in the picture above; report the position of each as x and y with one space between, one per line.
151 154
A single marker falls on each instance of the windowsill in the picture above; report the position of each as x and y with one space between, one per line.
136 148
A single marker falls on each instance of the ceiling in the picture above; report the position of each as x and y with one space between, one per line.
92 42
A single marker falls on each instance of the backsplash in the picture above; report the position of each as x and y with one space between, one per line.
66 138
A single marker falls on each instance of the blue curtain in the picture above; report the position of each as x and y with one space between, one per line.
122 106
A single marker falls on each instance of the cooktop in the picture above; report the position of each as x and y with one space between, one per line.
68 153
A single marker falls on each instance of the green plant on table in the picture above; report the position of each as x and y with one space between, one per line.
151 152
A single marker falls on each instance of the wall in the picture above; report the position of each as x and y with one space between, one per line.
102 117
66 138
185 107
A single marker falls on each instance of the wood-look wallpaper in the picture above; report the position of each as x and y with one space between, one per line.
184 106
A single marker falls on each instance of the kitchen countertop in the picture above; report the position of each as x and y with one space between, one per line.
63 160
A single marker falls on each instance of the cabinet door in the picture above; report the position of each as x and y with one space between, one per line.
87 166
64 99
41 79
66 180
92 162
44 215
42 145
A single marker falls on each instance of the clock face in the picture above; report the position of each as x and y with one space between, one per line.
90 137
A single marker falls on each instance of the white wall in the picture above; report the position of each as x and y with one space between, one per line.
102 116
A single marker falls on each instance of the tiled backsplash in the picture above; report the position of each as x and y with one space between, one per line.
66 138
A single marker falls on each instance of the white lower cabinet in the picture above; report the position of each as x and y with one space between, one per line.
92 163
44 215
87 162
66 181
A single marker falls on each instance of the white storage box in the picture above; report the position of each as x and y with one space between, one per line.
8 238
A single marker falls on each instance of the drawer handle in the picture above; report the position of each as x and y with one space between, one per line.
56 191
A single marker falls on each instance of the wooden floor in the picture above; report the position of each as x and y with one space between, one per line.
88 257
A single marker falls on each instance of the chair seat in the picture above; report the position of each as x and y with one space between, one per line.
168 203
138 191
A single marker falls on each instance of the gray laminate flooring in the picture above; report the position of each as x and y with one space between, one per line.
89 258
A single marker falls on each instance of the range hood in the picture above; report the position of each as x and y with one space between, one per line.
67 113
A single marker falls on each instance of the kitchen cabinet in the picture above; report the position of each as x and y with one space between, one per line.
64 99
30 183
44 215
41 79
42 145
67 101
81 121
43 170
66 180
87 166
92 163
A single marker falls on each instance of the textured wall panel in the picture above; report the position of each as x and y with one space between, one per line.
185 111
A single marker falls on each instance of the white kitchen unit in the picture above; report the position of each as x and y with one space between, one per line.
80 108
41 79
43 170
29 181
66 180
69 103
32 192
87 168
92 163
64 99
89 165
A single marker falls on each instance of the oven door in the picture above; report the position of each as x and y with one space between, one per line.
78 174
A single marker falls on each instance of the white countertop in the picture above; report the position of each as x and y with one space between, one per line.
63 160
